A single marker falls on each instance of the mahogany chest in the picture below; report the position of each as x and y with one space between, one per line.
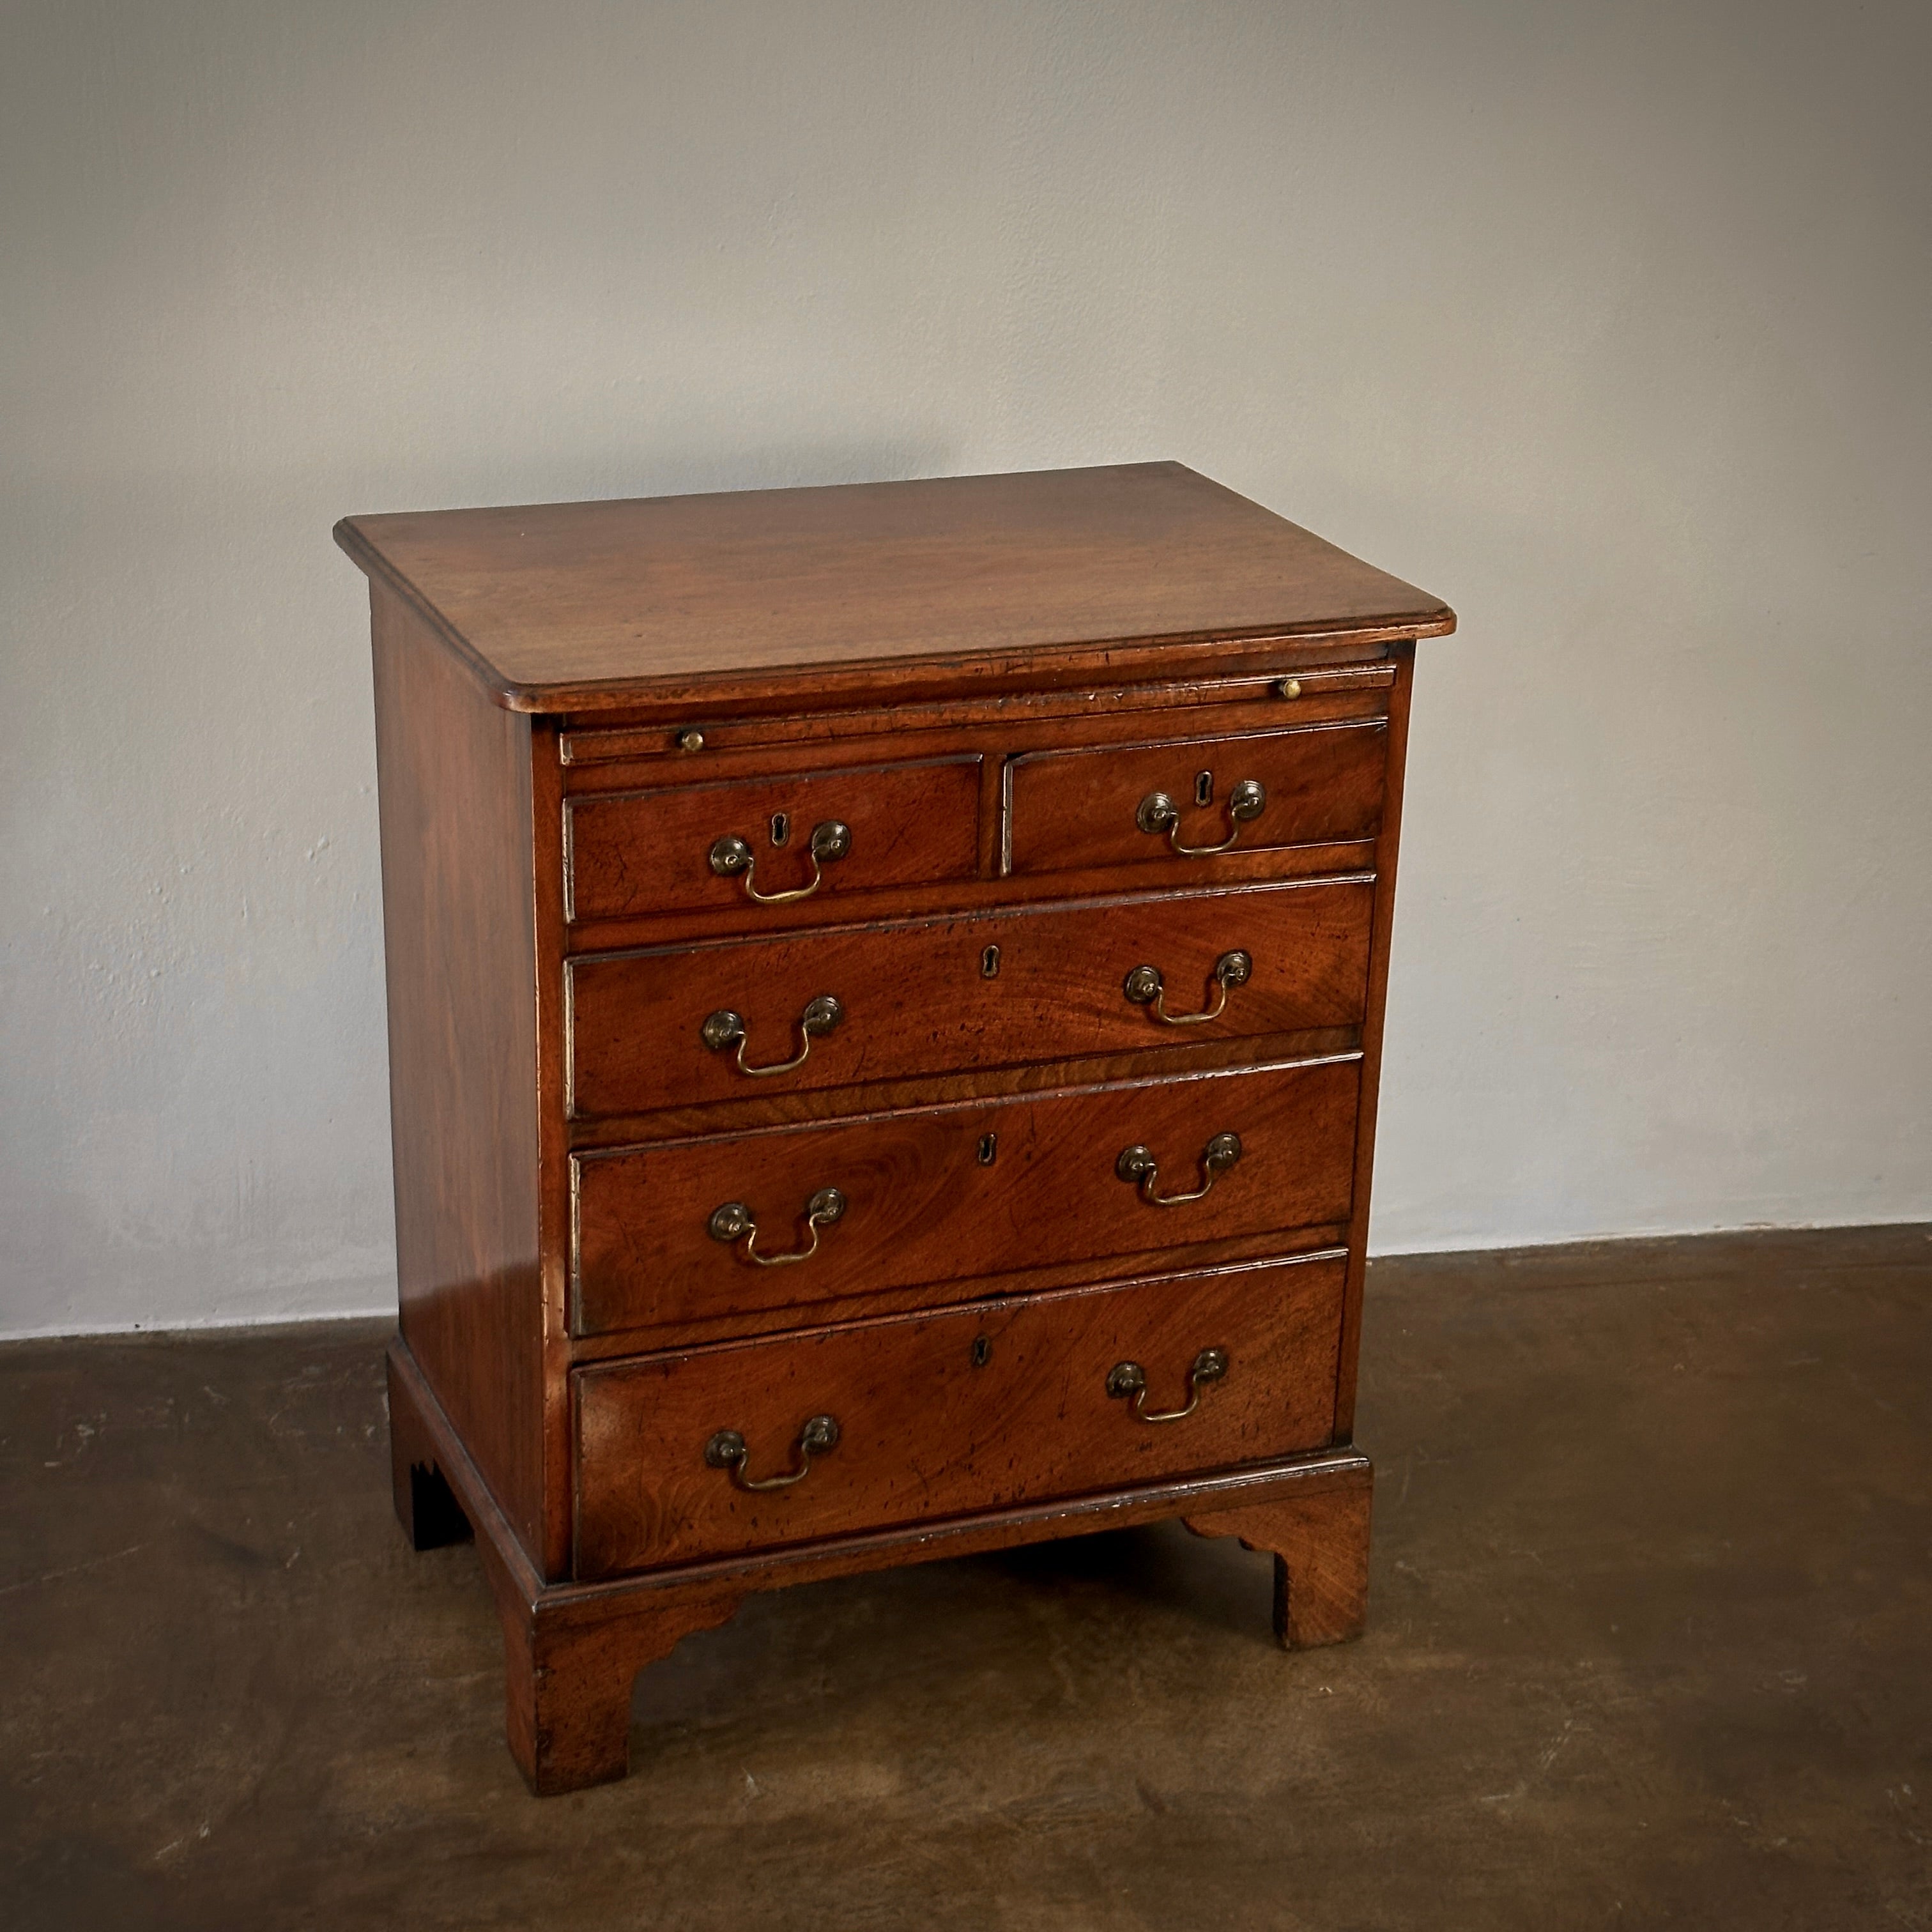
885 993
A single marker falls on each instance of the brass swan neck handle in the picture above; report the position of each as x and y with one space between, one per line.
1137 1164
1144 988
732 858
733 1223
726 1451
1158 813
1127 1381
727 1028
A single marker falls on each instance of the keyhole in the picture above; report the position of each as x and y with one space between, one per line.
780 828
1204 787
989 1149
989 963
982 1351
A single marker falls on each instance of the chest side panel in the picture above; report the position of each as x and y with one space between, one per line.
459 932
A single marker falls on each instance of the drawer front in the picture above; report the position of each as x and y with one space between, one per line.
942 1415
691 847
1072 811
670 1027
950 1194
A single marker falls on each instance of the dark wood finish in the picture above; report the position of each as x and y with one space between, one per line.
426 1505
567 1681
573 1649
643 852
1386 844
459 934
747 1321
773 1105
553 1139
972 674
1320 1544
922 997
576 607
1072 811
1358 690
946 1195
979 1408
990 893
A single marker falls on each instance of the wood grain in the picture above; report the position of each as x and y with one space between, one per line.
924 997
975 1409
458 924
1320 1543
649 851
1071 810
973 674
572 1649
926 1207
1358 691
581 606
1386 847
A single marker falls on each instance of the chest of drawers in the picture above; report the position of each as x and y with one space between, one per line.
885 990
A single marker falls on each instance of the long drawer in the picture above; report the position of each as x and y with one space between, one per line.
936 1416
683 1025
681 1231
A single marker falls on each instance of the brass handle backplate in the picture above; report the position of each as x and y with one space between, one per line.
1137 1164
1127 1381
732 858
726 1451
1158 813
1145 988
732 1223
725 1028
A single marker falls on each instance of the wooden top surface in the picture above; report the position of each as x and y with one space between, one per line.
569 606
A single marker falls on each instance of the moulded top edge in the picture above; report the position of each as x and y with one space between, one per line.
1089 575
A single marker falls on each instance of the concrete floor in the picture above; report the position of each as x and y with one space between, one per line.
1649 1645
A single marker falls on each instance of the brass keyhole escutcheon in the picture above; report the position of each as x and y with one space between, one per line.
989 1149
989 963
780 827
982 1351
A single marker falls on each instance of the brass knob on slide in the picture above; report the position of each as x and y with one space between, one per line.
732 858
1158 813
1144 987
726 1028
726 1451
1137 1164
1127 1381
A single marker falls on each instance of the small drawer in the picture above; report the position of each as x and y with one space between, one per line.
749 842
946 1415
680 1026
1183 803
670 1234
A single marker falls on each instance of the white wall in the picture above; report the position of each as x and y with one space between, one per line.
1608 324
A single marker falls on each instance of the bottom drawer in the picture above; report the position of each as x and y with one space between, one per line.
941 1415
